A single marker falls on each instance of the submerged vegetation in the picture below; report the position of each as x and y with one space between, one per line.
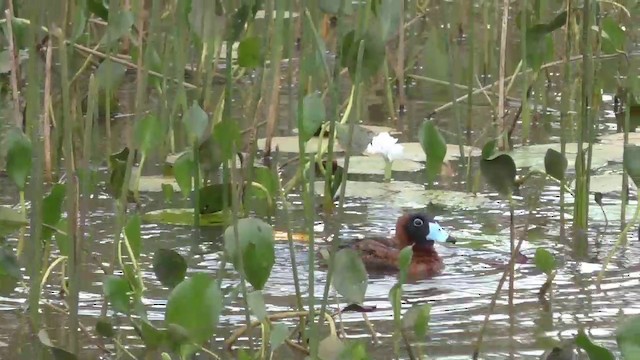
235 115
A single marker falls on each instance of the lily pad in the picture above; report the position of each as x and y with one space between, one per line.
606 183
413 151
182 216
154 183
618 138
532 156
374 165
405 193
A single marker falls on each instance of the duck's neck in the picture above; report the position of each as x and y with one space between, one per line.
425 253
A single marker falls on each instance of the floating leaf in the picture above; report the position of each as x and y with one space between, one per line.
313 115
372 58
109 75
628 337
417 318
250 53
330 348
545 261
132 232
148 133
631 162
183 216
434 146
555 164
195 122
195 305
19 155
256 248
58 353
116 289
11 220
183 172
489 148
500 172
104 328
613 36
594 351
352 281
255 300
169 267
279 333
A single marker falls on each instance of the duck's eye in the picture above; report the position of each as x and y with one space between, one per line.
418 222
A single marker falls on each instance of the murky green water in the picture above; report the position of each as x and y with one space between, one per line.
460 296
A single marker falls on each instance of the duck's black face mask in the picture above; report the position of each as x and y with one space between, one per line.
425 231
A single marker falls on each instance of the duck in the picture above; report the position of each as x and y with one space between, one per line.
418 230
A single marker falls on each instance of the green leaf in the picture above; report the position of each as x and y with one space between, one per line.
352 280
212 198
195 305
116 289
19 155
62 239
152 337
539 46
250 52
628 337
183 172
417 318
545 261
255 300
52 211
226 133
58 353
330 348
207 21
372 58
149 133
500 172
98 8
9 262
395 298
104 328
119 26
195 122
279 333
613 37
360 139
489 148
389 17
267 178
109 76
434 146
594 351
313 115
169 267
167 191
118 167
631 162
559 21
11 220
404 261
256 239
132 232
555 164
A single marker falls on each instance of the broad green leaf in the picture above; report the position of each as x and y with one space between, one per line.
279 333
417 318
118 167
559 21
116 290
98 8
250 52
489 148
395 298
255 300
52 210
545 261
268 179
58 353
613 37
109 75
500 172
354 350
372 58
539 46
389 16
555 164
207 21
360 139
404 261
19 155
256 239
11 220
631 162
152 337
434 146
62 239
628 337
594 351
330 348
313 115
352 279
195 305
226 133
132 232
195 122
183 172
148 133
9 263
169 267
212 198
119 26
104 328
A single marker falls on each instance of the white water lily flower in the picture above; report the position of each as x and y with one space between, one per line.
385 145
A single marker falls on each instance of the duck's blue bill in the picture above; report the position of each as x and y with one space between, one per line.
437 233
